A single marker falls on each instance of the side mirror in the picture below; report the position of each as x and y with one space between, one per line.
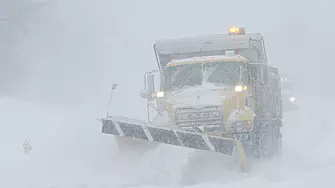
149 87
144 94
150 83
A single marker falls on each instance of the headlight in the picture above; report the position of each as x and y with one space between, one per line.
160 94
292 99
240 88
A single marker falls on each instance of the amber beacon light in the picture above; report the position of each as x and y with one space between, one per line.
236 31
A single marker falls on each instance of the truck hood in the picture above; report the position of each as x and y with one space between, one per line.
199 96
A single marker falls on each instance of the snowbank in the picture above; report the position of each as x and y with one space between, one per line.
69 151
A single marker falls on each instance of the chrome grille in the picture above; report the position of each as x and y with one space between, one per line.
209 116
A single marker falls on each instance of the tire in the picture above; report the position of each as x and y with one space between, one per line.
263 141
256 136
279 144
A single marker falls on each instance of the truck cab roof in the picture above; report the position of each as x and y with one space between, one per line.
207 45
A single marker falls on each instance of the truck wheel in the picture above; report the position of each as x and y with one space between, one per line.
277 137
257 139
279 144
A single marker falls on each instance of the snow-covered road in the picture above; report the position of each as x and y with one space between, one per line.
69 151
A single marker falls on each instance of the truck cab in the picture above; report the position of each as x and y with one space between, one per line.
214 82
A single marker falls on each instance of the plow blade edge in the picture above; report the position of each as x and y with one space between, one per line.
167 135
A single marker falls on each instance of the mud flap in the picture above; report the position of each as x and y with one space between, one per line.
242 156
168 135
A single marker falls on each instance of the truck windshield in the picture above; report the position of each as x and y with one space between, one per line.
183 75
227 73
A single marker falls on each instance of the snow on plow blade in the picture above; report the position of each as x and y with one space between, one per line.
166 135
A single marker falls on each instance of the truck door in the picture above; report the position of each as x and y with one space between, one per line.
254 85
262 93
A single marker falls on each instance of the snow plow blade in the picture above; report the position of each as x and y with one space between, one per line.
167 135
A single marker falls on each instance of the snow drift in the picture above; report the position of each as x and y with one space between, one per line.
69 151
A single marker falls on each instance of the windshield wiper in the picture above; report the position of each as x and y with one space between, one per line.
179 88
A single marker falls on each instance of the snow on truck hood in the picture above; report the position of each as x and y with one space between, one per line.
199 96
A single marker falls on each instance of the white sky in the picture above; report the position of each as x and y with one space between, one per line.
75 50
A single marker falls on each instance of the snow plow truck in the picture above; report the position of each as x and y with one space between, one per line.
215 93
